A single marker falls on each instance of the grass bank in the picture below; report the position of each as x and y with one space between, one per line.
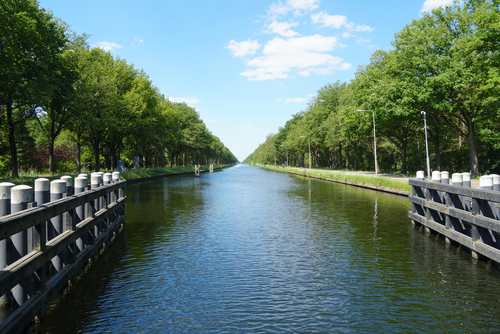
128 175
377 183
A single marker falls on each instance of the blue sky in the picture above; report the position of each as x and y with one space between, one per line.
248 65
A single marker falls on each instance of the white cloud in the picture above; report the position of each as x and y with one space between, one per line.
364 27
347 34
108 46
304 73
297 6
334 21
431 4
282 28
241 49
362 41
295 100
139 40
187 100
281 56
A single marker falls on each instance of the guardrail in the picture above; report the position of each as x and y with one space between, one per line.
465 215
40 260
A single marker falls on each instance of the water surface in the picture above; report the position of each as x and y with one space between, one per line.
250 250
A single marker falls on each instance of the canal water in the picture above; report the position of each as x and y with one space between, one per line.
246 250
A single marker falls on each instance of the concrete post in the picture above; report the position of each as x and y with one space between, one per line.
95 183
466 179
436 176
5 188
115 176
102 177
420 175
57 226
487 182
456 179
20 197
445 177
80 185
107 178
42 191
69 184
496 182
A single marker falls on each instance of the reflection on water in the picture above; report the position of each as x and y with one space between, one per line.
250 250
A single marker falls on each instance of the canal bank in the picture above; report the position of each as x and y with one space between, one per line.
388 183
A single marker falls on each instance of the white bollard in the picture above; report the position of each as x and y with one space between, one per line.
69 184
456 179
5 188
420 175
57 226
436 176
20 197
496 182
466 179
488 182
80 187
115 176
445 177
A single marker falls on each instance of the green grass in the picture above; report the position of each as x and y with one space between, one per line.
129 174
377 182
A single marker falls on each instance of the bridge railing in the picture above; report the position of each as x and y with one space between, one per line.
465 215
33 276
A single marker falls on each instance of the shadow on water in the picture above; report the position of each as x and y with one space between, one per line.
251 250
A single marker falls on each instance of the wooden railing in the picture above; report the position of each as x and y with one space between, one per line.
91 219
465 215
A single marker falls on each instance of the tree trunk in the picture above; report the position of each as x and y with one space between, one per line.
436 141
471 139
340 155
95 147
51 156
355 156
347 157
12 140
78 156
403 157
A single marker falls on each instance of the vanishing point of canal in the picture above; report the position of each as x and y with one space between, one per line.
246 250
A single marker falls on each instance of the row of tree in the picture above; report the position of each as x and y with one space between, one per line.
60 98
447 63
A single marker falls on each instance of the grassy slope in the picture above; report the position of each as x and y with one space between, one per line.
377 182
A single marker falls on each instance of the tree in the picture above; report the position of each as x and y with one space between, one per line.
32 45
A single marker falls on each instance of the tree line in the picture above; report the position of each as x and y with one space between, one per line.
65 105
447 64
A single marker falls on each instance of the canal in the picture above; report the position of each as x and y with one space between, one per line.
248 250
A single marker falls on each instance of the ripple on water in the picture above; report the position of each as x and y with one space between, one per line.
248 250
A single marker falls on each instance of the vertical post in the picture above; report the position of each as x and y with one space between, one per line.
487 182
95 183
57 226
5 188
436 176
466 179
80 185
445 177
420 175
20 197
456 179
42 196
69 184
426 146
496 182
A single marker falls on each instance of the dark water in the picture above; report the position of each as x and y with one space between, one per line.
247 250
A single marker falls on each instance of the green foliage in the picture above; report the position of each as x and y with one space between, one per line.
447 64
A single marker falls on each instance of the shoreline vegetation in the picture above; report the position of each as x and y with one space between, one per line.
385 184
131 174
